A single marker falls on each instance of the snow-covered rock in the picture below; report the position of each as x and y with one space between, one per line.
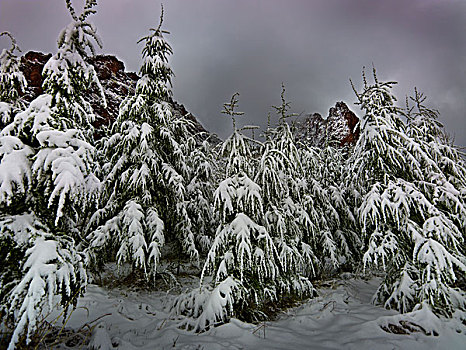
339 128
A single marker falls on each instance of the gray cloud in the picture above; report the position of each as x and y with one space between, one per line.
251 46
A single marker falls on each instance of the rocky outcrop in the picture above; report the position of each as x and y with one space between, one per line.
116 82
340 128
32 64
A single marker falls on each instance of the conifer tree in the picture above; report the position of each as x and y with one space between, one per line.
281 176
334 237
427 131
46 169
443 183
12 82
67 75
199 190
405 208
146 169
241 260
378 153
306 211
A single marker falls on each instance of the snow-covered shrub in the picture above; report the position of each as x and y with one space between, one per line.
12 82
207 307
412 209
421 319
49 266
146 171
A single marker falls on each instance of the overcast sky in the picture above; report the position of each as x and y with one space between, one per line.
251 46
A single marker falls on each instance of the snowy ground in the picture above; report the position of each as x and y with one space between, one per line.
342 317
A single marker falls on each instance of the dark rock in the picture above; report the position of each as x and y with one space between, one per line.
342 124
106 66
133 76
117 84
32 64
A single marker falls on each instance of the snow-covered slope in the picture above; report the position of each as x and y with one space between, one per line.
342 317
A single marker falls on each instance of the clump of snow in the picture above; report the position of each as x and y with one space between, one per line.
15 168
100 339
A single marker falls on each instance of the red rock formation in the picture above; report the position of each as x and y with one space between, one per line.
339 128
117 84
32 64
348 133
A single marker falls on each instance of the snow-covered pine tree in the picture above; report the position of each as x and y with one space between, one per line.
281 177
241 264
407 229
199 190
146 170
377 155
334 238
12 82
67 75
195 218
443 183
60 121
46 169
49 266
426 130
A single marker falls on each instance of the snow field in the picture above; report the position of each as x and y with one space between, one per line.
341 317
